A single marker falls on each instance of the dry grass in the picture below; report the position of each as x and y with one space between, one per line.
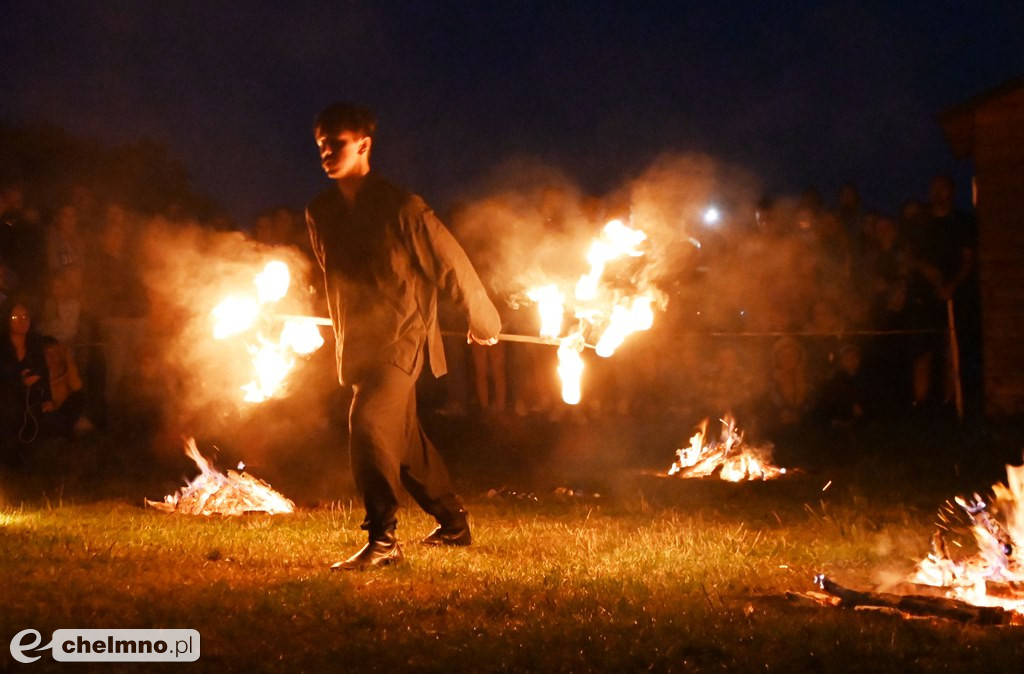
663 575
657 574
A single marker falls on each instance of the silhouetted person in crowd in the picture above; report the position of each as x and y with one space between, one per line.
64 400
23 382
843 397
885 277
280 226
65 246
852 217
62 311
22 244
385 255
119 302
945 270
789 391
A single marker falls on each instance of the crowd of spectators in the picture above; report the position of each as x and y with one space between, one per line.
79 334
72 304
797 313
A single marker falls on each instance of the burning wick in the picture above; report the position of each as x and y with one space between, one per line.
712 216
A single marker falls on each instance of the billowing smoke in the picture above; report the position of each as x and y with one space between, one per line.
188 270
723 259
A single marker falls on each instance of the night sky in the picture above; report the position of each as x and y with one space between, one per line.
799 93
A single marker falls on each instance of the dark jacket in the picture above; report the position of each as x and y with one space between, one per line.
383 261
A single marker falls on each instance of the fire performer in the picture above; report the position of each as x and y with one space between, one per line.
384 255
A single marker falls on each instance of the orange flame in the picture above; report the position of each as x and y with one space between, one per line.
995 575
216 493
272 359
605 315
729 457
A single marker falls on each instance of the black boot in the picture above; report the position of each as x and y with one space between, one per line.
382 550
454 532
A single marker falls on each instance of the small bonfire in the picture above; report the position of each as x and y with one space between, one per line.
729 457
216 493
994 574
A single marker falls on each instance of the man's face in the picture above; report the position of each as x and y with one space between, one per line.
342 153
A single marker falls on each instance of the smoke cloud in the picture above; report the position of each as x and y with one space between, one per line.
197 379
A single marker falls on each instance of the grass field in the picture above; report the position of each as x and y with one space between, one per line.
653 574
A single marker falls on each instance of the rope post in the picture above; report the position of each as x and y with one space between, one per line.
954 352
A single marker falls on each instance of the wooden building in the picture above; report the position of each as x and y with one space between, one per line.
989 129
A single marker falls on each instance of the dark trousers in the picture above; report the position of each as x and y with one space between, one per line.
389 448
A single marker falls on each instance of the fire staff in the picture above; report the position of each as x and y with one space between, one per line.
385 255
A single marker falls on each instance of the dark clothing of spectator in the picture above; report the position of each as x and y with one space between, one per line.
115 288
23 251
843 398
15 396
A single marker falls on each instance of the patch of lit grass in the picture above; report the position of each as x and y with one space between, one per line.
672 577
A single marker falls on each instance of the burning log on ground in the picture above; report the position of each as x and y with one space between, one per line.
729 457
994 576
216 493
906 606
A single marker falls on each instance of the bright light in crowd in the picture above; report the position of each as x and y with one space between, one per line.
712 216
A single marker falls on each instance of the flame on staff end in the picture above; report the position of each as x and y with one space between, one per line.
605 315
616 240
570 368
272 358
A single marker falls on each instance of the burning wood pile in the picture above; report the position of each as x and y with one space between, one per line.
985 588
216 493
994 575
729 457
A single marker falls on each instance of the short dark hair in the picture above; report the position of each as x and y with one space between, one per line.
347 116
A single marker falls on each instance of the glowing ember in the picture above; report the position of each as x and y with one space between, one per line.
604 315
216 493
994 576
244 317
729 456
